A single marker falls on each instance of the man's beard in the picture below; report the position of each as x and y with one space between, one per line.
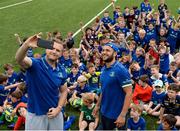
109 59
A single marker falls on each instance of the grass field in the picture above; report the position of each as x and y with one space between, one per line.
49 15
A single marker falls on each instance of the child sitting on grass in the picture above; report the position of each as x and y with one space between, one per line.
171 103
86 118
168 123
142 92
136 122
153 107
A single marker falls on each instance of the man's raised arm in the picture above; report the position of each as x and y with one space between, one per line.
21 57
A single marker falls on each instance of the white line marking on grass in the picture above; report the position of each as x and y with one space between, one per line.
20 3
93 19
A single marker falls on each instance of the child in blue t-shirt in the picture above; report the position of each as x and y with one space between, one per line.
11 73
136 122
155 75
145 6
73 76
107 21
153 108
141 39
140 56
173 37
116 12
151 32
81 87
164 59
66 61
174 73
93 78
4 89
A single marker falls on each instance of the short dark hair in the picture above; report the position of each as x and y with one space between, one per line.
17 94
144 78
170 119
74 65
174 87
173 63
7 66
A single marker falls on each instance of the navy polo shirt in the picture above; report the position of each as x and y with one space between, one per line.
112 81
43 84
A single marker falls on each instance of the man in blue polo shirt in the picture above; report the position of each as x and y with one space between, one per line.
47 91
116 90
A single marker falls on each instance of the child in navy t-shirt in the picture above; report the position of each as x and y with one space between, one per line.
136 122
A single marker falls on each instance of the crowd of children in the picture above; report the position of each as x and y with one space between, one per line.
148 42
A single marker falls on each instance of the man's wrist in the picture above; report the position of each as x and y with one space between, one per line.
123 115
59 107
98 106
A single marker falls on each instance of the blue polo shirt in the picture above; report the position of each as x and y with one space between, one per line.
43 84
112 81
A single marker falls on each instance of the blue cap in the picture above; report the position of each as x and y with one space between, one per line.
113 46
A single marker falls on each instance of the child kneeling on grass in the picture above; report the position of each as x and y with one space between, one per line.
86 118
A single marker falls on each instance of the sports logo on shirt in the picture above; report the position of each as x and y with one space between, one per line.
60 74
112 74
